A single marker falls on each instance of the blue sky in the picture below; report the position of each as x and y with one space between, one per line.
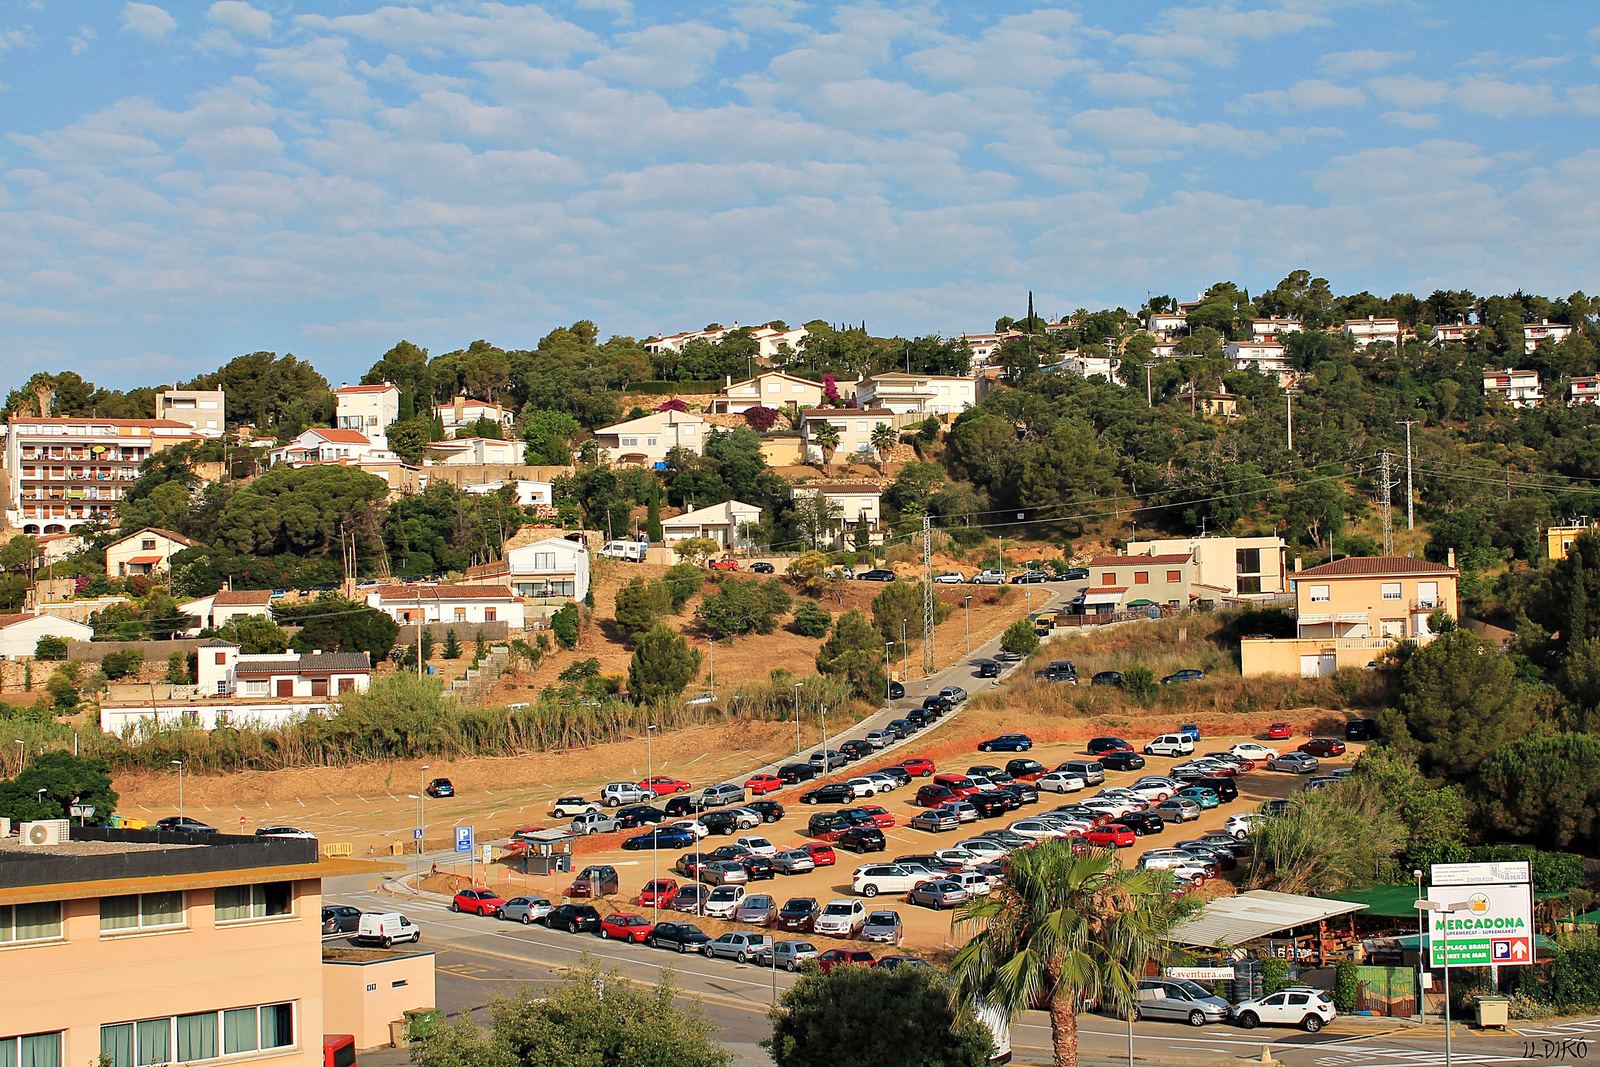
182 182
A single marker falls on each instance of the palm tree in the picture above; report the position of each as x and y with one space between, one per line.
1063 928
884 439
826 436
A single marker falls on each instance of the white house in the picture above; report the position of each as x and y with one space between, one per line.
19 634
464 411
1457 331
368 410
216 610
771 389
1268 329
984 346
1166 324
147 552
903 394
269 689
648 439
1519 387
1370 330
1268 357
719 522
465 604
848 504
855 426
771 342
322 445
1585 389
472 452
1534 333
1088 366
552 568
529 493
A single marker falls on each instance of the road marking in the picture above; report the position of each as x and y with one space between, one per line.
1582 1026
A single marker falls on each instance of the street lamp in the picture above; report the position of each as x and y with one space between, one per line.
966 607
797 686
22 754
1445 910
655 853
422 820
1421 958
178 763
888 671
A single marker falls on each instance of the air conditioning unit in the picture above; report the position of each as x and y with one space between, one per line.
5 827
46 832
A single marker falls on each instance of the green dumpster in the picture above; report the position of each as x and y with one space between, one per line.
422 1022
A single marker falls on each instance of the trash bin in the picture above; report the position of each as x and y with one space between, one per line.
1494 1011
421 1022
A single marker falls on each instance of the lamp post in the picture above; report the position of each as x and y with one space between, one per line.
1445 910
655 853
966 607
1422 959
22 754
422 820
178 763
888 682
797 686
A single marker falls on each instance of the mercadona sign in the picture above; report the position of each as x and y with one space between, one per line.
1495 927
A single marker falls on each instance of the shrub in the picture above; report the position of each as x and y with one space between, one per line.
452 644
1274 974
1575 975
1139 682
761 419
682 581
50 648
1345 987
1020 638
178 669
743 607
121 664
640 605
662 664
693 549
63 684
811 619
564 624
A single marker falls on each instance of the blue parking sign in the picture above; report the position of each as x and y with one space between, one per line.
463 839
416 835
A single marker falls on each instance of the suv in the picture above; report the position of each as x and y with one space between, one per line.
990 576
592 822
954 693
878 878
1090 771
1060 670
1310 1009
841 918
717 795
740 945
616 794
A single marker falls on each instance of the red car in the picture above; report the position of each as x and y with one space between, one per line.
658 892
478 902
620 927
836 957
725 564
1323 747
763 784
821 855
662 785
1111 835
881 818
1279 731
959 784
918 767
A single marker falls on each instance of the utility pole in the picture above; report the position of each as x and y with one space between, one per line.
1384 485
1149 397
422 621
927 582
1289 397
1411 514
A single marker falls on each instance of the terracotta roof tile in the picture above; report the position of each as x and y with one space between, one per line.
1373 566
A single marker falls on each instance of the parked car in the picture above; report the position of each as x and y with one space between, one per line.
574 918
837 957
689 898
1177 998
184 825
763 567
285 831
841 917
723 901
1031 578
798 913
637 815
658 892
620 927
340 919
1061 782
821 853
939 893
986 668
1100 745
758 868
877 574
1093 772
385 928
685 937
989 576
1279 731
616 794
791 954
1294 763
740 945
918 767
792 861
1252 751
721 873
936 820
1177 809
880 738
896 691
1221 785
883 926
1186 675
794 773
1361 730
719 822
1309 1009
832 793
769 810
477 902
1112 678
1169 745
1323 747
1201 796
1006 743
877 878
687 804
828 760
949 578
567 807
762 784
593 822
1111 835
1240 825
862 839
1143 822
721 795
440 787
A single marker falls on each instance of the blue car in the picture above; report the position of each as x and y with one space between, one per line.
660 837
1201 796
1188 729
1007 743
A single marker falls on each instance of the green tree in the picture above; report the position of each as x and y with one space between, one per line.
63 684
1020 638
692 549
564 624
178 669
254 634
1329 838
49 647
640 605
121 664
652 515
813 516
65 778
1459 700
1061 927
811 619
875 1017
743 607
682 581
549 435
299 511
662 665
1139 681
426 639
900 603
854 652
809 573
1543 789
883 441
452 644
825 435
409 438
333 624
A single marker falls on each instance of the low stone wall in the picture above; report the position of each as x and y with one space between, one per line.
95 651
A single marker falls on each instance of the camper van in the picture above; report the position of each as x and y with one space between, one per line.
632 551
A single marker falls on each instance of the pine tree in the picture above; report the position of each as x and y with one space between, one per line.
652 517
427 643
452 644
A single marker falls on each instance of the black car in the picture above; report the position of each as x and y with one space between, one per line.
862 839
903 728
857 817
897 772
937 703
1112 678
340 919
1061 670
896 690
184 825
877 574
1361 730
1006 743
1221 785
683 804
728 852
1011 800
1121 761
855 749
1030 578
771 810
988 770
987 668
440 787
637 815
832 793
1075 574
763 568
990 804
1025 792
798 914
919 718
1186 675
758 868
1022 768
1143 822
573 918
1107 744
794 773
685 937
719 822
826 822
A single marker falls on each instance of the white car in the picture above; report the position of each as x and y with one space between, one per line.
983 783
1118 792
877 878
1241 825
950 578
758 845
1037 829
863 787
1252 751
879 738
1170 745
723 902
1060 782
965 857
975 884
841 917
1155 789
1309 1009
694 826
745 818
1115 807
986 847
886 783
567 807
385 928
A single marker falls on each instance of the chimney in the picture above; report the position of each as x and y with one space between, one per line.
1452 557
1299 564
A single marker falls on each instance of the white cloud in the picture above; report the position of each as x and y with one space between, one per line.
80 43
661 56
1411 120
1307 95
1032 50
1211 34
1364 61
476 30
1142 135
623 8
147 20
240 18
1409 91
1127 84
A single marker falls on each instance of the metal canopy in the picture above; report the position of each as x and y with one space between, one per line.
1258 913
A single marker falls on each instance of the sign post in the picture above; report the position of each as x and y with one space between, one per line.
1496 929
464 842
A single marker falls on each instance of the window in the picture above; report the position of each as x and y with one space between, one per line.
148 543
239 1031
29 922
1320 594
347 685
774 387
319 687
489 614
372 420
197 1036
1141 578
861 427
221 659
461 614
544 561
153 1042
1108 578
1428 594
34 1050
629 442
255 688
1391 590
141 912
1250 585
688 431
1174 577
222 687
285 687
185 1038
1249 560
270 900
649 442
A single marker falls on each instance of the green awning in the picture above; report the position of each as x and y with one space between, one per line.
1588 918
1139 603
1384 901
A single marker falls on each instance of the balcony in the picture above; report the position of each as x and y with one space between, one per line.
1430 605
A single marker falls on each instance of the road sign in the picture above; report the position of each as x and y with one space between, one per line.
463 839
416 835
1496 927
488 857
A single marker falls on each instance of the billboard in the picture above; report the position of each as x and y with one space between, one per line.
1496 924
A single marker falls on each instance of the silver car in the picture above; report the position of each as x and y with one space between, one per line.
883 926
791 954
937 894
793 861
740 946
758 910
1174 998
525 910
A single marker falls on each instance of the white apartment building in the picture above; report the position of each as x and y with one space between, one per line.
20 633
529 493
1456 331
204 410
1268 329
1370 330
148 551
1535 333
1084 366
368 410
905 394
1167 325
855 427
771 389
225 605
848 504
647 440
984 346
322 445
1519 387
1584 389
464 411
1268 357
472 452
63 473
771 342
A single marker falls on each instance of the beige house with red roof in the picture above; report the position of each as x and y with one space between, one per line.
218 609
772 389
1122 583
147 552
408 604
855 426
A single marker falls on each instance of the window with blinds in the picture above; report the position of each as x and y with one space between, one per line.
148 911
31 1050
238 903
29 922
195 1038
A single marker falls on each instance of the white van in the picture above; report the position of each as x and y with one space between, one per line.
386 928
632 551
1170 745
